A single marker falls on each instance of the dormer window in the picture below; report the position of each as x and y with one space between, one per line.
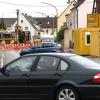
21 21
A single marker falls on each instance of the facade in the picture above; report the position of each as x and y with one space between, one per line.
61 21
26 22
37 25
77 19
79 13
87 5
48 24
29 24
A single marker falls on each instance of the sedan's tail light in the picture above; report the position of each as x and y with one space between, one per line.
96 78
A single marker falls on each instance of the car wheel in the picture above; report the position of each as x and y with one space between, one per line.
67 93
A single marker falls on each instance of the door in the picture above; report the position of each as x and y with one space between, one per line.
13 85
45 77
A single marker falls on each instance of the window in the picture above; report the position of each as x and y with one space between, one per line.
63 65
26 28
21 21
47 63
22 64
85 63
87 38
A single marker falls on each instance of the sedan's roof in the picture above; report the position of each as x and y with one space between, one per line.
55 54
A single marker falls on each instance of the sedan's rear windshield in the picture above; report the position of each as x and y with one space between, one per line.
89 64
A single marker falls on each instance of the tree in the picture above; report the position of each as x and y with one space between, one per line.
60 35
2 25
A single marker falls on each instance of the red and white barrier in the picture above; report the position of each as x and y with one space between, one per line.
16 47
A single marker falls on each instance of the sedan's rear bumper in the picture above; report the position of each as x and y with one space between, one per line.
89 92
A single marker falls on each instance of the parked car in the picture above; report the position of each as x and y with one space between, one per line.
43 48
50 76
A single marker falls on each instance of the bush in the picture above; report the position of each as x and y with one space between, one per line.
60 35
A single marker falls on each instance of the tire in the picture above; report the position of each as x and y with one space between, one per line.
67 93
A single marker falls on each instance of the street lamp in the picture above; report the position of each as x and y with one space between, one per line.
42 13
46 16
56 12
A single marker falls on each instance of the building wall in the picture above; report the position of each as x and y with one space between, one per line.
77 19
49 30
13 26
67 39
61 19
26 26
74 18
83 10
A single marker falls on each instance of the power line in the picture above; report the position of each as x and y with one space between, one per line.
27 5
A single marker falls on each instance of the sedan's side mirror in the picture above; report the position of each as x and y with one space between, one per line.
2 70
2 73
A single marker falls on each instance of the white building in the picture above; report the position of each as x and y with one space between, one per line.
76 19
79 13
26 22
37 25
29 24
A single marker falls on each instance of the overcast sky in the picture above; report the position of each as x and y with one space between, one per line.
31 7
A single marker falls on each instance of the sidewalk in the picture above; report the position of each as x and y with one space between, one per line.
95 59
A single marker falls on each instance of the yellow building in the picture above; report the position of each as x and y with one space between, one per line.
95 43
82 41
83 44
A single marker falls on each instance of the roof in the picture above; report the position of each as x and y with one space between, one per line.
34 20
54 54
44 20
31 20
68 8
9 21
79 3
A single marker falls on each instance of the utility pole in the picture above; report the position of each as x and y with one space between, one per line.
17 27
94 7
17 16
70 1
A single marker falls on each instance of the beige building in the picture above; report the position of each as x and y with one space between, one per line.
65 21
61 21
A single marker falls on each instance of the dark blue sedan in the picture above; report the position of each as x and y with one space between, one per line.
43 48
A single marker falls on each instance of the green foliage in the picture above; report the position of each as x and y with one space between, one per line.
60 35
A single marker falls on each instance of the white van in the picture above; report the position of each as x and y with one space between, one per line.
47 38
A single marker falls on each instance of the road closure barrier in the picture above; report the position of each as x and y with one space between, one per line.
16 47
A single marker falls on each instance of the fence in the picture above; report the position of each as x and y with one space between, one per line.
16 47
